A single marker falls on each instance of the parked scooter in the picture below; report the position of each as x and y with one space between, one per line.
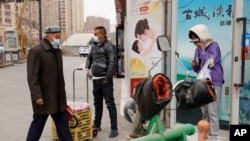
151 95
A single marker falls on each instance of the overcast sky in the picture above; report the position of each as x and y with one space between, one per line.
100 8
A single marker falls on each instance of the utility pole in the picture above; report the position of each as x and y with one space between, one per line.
30 25
40 18
16 11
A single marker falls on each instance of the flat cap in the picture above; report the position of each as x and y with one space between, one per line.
52 29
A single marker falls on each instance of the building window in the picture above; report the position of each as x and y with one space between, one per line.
7 13
7 6
8 21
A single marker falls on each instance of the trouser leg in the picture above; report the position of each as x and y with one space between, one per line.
204 111
213 110
36 127
110 102
62 126
98 102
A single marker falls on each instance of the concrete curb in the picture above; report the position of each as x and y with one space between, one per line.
12 63
6 65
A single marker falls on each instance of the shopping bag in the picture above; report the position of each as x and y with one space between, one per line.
205 72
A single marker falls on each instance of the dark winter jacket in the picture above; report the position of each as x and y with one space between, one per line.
45 78
102 60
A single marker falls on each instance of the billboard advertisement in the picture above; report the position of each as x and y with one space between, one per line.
146 22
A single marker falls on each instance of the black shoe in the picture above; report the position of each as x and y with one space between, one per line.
113 133
133 136
97 128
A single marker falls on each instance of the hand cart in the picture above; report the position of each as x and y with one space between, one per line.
79 116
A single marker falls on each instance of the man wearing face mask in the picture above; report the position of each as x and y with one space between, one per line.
47 86
100 65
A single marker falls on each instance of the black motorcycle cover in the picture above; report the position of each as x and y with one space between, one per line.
152 95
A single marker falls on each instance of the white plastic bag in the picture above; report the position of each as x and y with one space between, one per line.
204 72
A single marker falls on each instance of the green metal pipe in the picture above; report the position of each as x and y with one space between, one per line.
176 134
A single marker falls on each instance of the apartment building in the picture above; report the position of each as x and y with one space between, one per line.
9 12
71 16
93 21
7 17
66 13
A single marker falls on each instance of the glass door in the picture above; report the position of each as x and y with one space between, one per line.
244 101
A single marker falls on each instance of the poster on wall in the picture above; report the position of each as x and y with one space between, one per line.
217 16
10 39
146 22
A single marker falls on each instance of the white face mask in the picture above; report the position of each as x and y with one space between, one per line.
55 43
95 39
